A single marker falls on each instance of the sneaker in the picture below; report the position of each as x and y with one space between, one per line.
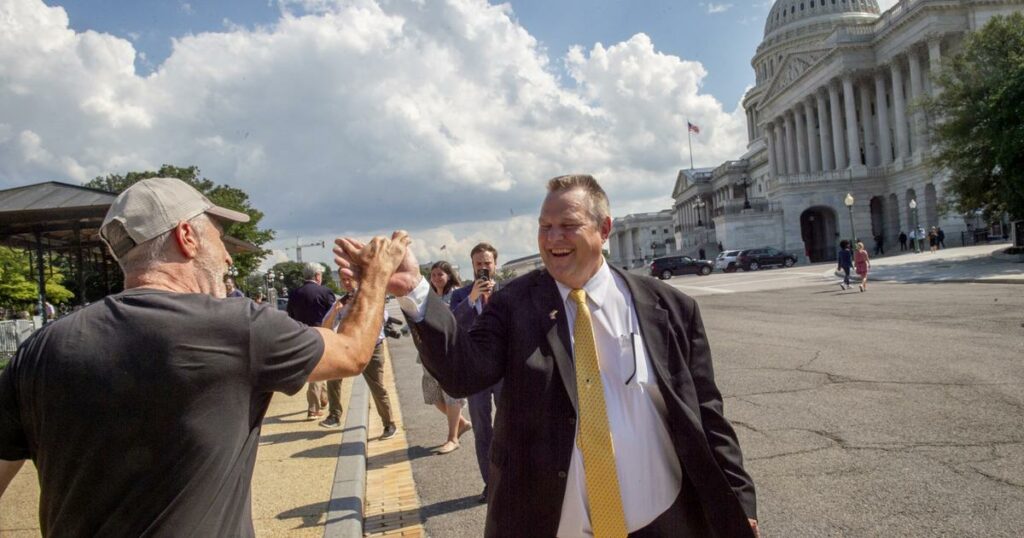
330 422
313 415
389 431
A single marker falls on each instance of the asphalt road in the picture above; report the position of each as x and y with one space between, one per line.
896 412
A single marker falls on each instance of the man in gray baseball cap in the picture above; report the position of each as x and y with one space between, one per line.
142 411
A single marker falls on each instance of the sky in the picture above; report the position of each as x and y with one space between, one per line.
357 117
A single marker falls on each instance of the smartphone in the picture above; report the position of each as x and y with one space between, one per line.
483 274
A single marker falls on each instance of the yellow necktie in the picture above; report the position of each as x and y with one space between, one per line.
595 439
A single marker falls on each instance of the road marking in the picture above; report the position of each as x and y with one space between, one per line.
704 288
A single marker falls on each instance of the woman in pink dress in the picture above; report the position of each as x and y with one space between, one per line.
861 264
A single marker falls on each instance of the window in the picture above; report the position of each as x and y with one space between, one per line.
666 230
654 231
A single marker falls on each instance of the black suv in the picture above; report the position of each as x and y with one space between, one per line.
756 258
665 268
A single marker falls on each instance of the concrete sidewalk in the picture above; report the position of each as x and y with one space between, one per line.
977 264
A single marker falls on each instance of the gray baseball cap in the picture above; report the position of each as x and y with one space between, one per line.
153 206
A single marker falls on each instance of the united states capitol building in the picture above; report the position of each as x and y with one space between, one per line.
833 113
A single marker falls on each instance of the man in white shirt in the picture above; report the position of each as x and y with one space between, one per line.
668 462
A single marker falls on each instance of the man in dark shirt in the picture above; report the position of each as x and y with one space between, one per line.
308 304
142 411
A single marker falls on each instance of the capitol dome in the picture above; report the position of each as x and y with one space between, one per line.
791 14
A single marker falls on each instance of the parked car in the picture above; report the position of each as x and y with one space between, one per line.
726 260
669 266
756 258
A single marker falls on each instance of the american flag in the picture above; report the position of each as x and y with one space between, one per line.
693 128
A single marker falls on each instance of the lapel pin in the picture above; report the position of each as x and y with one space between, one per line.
553 314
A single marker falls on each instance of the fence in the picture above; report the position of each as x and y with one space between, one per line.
12 334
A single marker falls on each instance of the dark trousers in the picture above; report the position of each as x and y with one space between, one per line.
483 425
903 244
846 276
374 376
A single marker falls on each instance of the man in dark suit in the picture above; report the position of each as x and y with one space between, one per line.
591 358
475 296
309 304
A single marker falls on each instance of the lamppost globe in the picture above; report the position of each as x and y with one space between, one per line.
849 205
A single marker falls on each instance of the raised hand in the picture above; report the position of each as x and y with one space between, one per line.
390 257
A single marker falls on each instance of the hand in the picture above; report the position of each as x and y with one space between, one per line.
480 287
391 257
753 527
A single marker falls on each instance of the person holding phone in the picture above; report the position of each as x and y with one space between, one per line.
476 295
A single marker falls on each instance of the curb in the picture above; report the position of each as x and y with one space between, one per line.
345 507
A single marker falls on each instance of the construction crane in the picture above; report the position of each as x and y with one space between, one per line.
298 248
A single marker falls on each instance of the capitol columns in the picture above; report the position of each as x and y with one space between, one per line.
801 138
837 126
882 112
780 147
824 133
916 93
852 136
870 148
934 62
813 146
769 137
791 160
899 108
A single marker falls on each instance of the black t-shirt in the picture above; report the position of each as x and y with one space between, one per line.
142 412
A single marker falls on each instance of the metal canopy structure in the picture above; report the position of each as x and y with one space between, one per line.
59 217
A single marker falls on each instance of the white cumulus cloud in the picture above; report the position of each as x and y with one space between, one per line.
445 118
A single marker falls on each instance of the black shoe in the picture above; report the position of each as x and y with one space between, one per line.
483 497
389 431
330 422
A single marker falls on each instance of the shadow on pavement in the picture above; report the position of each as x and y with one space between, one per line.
451 505
310 514
287 437
323 451
414 452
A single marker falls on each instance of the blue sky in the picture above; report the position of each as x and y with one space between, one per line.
721 35
357 117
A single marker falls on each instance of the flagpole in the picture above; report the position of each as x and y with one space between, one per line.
689 142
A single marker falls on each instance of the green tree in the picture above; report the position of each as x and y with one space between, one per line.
18 287
292 272
222 195
979 132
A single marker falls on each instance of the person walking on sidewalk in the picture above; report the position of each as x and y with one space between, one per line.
373 374
142 411
903 240
845 260
443 281
861 264
307 304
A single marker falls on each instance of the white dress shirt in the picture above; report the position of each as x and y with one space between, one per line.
650 477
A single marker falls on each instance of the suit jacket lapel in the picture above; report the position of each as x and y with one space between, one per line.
554 324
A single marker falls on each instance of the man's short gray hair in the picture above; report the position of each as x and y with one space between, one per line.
311 269
599 207
149 253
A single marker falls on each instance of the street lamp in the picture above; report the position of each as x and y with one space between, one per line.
917 236
849 205
699 204
746 199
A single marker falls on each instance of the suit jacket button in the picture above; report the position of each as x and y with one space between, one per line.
561 474
572 420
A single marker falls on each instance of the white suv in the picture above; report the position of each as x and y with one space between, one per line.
726 260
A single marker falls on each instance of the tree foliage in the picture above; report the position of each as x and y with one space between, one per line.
222 195
979 135
18 287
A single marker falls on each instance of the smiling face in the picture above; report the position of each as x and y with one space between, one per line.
569 239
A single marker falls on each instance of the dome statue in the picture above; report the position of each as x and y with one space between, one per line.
791 14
